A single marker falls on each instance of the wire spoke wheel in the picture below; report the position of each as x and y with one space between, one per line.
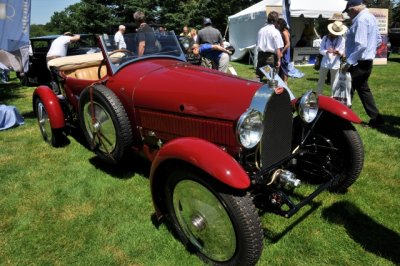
100 127
44 122
204 220
334 146
221 226
55 137
105 123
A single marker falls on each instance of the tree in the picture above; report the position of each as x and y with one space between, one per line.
87 16
91 16
98 16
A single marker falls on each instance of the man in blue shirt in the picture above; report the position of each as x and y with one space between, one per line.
362 40
214 52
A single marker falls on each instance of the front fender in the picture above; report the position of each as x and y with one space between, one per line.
52 105
206 156
337 108
200 153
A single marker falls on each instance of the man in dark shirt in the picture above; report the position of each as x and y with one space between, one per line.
209 34
145 35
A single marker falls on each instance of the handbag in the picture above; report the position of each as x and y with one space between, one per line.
341 88
317 63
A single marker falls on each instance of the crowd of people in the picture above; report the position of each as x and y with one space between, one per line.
348 50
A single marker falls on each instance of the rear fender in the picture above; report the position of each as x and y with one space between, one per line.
52 105
201 154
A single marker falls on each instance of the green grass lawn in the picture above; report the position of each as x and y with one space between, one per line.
63 206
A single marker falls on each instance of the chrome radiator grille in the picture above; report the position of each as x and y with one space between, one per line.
277 136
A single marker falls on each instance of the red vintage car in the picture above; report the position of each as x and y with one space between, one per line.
221 147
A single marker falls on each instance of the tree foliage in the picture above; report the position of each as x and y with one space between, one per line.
98 16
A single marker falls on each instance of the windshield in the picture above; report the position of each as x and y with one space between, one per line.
157 45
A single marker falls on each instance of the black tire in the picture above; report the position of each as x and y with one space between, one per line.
336 146
55 137
220 227
108 130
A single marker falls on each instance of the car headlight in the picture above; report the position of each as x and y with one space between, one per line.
249 129
308 106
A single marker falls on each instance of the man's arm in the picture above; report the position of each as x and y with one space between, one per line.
142 45
279 56
75 38
218 47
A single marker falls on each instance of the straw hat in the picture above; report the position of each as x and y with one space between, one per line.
337 17
337 28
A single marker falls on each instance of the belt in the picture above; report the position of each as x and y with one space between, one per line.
268 52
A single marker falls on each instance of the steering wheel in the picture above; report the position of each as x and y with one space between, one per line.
125 51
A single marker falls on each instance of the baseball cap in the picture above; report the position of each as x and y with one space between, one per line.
206 21
351 3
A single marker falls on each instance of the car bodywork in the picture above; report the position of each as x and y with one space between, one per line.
220 146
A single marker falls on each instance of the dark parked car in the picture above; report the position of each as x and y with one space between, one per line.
220 147
394 38
38 73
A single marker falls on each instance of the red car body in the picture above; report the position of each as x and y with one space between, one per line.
182 116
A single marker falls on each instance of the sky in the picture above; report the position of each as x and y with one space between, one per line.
42 10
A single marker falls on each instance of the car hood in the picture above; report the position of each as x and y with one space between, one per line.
176 87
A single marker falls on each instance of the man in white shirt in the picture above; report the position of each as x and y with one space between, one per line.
119 38
362 40
59 46
269 44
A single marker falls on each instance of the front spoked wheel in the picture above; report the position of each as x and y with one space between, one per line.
333 147
222 228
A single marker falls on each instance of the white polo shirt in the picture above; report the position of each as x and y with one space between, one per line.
119 39
59 46
269 39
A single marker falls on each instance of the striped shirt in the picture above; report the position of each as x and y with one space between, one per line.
363 38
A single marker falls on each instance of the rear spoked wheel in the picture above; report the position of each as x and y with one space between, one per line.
105 123
54 136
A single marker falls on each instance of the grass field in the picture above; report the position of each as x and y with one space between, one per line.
63 206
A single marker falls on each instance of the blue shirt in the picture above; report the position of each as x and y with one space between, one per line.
363 38
207 51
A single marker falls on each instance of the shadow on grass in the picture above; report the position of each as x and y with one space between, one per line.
274 237
133 164
10 91
396 60
392 126
371 235
312 79
30 114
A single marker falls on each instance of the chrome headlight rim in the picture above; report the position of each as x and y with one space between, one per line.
308 106
249 129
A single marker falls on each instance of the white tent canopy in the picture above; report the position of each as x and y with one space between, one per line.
243 26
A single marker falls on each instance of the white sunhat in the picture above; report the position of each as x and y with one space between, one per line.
337 28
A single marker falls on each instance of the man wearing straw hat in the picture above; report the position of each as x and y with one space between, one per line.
362 40
332 49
